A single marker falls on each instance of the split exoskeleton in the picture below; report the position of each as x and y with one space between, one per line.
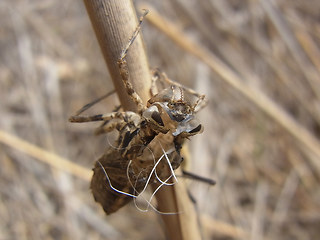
125 170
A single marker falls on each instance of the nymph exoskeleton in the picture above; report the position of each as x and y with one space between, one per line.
125 169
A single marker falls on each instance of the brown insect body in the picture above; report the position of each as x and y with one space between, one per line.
123 172
125 175
127 166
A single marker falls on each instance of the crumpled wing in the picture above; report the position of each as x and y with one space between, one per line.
116 168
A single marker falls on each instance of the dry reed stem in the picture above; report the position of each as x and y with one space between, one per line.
114 22
311 145
292 43
32 204
45 156
218 227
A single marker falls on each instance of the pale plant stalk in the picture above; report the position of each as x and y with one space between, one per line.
114 21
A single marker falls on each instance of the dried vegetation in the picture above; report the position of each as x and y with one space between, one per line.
267 170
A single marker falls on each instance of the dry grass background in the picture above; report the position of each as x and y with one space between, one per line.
267 181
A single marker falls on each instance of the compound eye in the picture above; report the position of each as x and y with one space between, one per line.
153 113
189 128
197 129
157 118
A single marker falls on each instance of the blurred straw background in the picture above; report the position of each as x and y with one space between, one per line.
267 171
